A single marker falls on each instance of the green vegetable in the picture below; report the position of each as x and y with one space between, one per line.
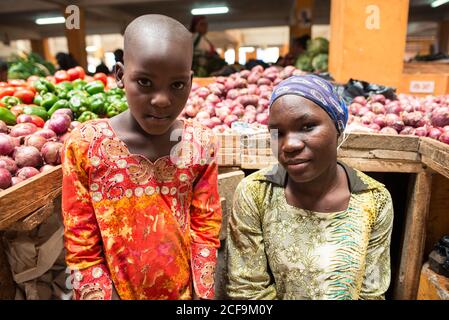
116 108
86 116
304 62
77 92
60 104
320 62
78 104
94 87
48 100
113 98
115 91
10 101
37 111
79 84
7 116
318 45
97 103
43 85
22 66
37 99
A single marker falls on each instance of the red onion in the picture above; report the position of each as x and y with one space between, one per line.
8 164
374 126
444 137
440 117
435 133
262 118
378 108
27 172
51 152
360 100
254 78
46 133
394 121
388 130
203 115
65 111
378 98
16 180
59 123
6 144
380 120
46 167
23 129
3 127
414 119
245 74
35 141
407 131
421 132
5 179
27 157
230 119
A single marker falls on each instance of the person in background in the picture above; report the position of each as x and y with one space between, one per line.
297 47
199 27
118 55
66 61
3 71
309 227
102 67
141 209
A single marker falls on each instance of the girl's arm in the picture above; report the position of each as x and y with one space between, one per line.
205 223
91 279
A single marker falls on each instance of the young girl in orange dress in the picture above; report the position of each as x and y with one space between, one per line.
140 202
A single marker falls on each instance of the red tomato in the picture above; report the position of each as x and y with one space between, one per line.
37 121
61 76
17 83
6 91
31 79
102 77
81 72
3 106
17 110
73 74
25 95
3 84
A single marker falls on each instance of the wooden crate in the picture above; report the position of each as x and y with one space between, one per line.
422 84
432 286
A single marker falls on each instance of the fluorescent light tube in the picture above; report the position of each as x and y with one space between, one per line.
53 20
211 10
438 3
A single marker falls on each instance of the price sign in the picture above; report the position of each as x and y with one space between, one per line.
422 86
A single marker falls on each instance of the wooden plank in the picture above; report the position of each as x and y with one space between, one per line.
378 165
19 201
432 286
7 287
227 184
379 154
438 220
386 142
34 219
413 243
435 154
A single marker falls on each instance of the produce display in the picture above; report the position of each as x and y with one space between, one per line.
241 97
409 115
23 66
87 97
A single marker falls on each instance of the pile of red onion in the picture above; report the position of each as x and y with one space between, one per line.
26 150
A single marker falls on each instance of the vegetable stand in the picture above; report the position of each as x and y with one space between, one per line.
425 160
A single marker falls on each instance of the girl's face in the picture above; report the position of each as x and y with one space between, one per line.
306 137
158 82
202 26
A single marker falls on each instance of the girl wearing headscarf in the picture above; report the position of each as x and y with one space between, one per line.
199 28
309 227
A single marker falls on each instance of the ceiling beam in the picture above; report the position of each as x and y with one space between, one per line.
15 6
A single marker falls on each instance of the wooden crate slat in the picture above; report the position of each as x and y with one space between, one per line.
19 201
379 141
435 154
378 165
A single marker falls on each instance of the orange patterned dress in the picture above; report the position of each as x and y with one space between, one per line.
150 229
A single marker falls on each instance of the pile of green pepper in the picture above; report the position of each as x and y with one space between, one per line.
86 100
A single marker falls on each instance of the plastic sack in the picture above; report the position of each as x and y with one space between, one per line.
355 88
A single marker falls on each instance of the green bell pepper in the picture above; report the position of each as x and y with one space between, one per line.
37 99
116 108
115 91
78 104
62 89
77 92
86 116
43 85
10 101
35 110
79 84
48 100
94 87
113 98
7 116
60 104
97 103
